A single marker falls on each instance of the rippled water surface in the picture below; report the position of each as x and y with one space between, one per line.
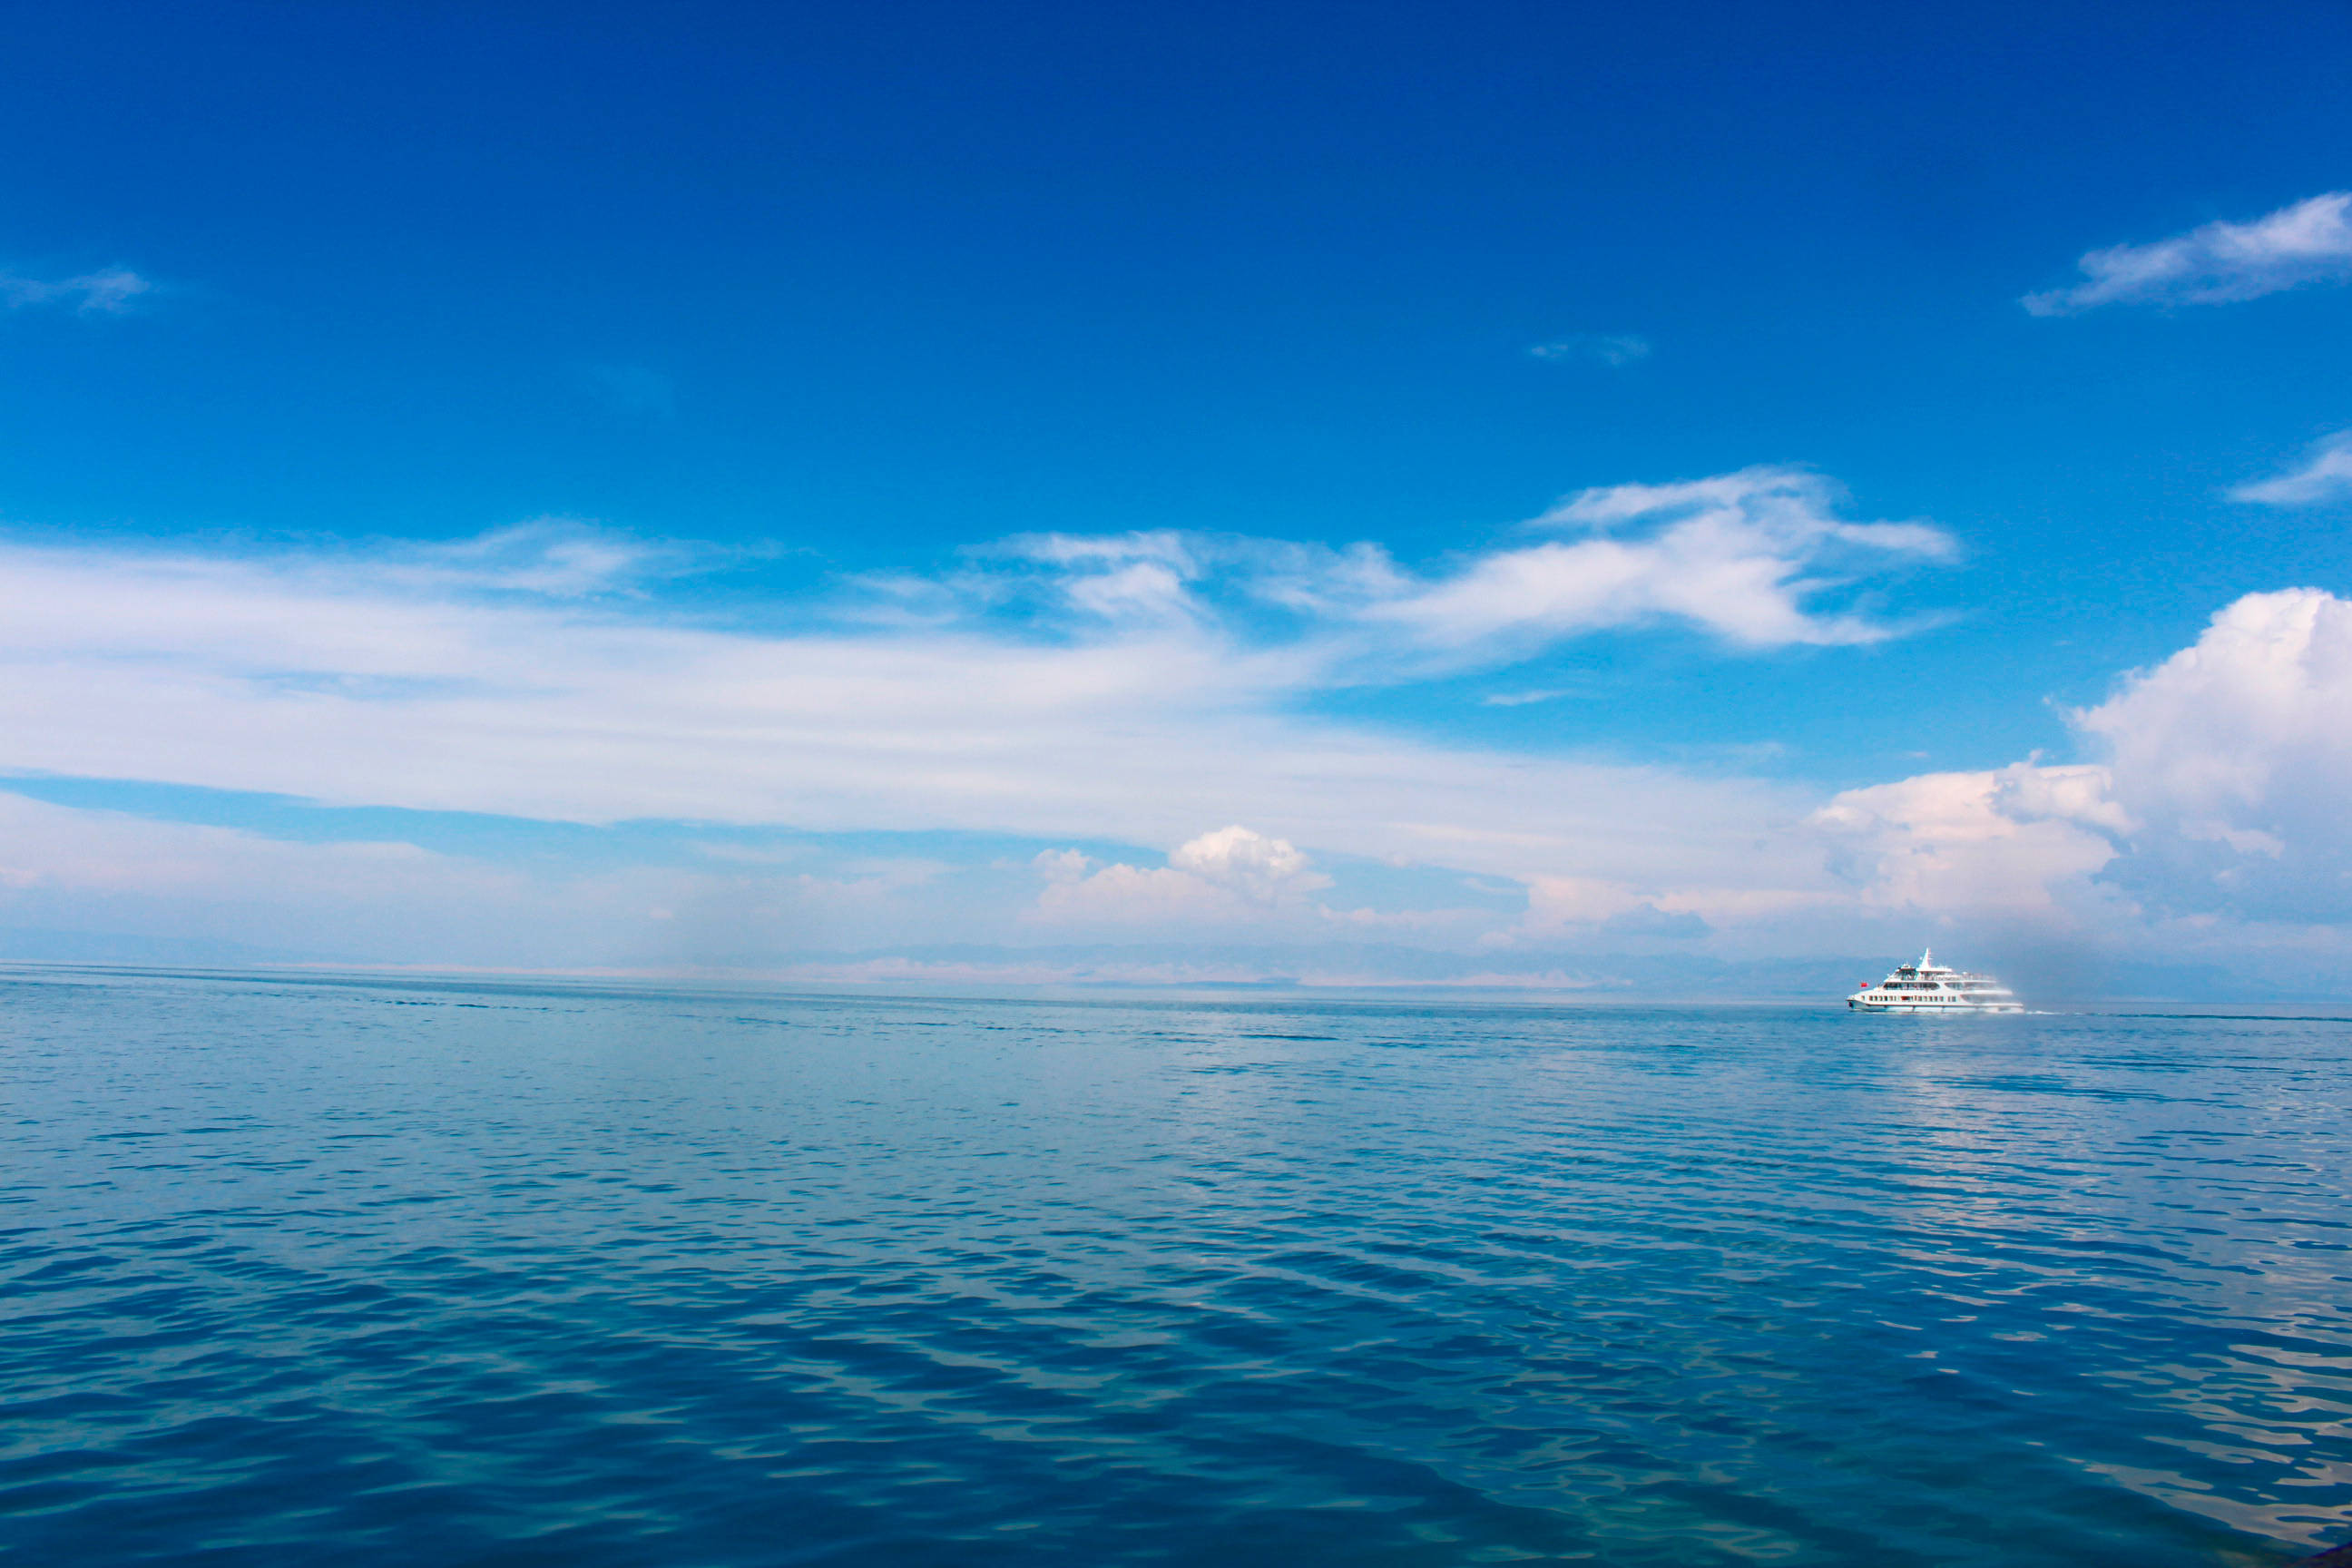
419 1273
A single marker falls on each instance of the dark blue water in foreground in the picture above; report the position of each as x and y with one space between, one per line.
311 1273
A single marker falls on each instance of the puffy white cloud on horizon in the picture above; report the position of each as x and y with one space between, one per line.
2235 760
108 291
1250 864
1230 875
2019 843
2219 803
2219 263
2324 476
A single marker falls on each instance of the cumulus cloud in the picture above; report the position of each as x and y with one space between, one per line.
2325 475
1233 873
2234 757
1612 349
2008 843
2309 242
109 291
1248 864
2217 797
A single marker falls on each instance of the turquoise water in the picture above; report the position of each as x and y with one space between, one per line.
420 1273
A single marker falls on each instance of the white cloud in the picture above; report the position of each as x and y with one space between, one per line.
2005 844
2235 756
2219 798
2309 242
1126 897
1233 873
2325 475
109 291
1749 557
1062 867
1759 559
1120 687
1612 349
550 557
491 679
1556 901
1248 864
518 675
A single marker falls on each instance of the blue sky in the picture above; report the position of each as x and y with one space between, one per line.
509 333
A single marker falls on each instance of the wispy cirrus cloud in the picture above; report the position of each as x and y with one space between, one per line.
108 291
2325 475
2219 263
1113 688
326 679
1612 349
1758 559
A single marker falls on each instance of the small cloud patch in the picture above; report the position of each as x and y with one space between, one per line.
2309 242
1612 349
2325 475
109 291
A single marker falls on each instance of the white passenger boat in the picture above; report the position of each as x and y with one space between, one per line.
1927 986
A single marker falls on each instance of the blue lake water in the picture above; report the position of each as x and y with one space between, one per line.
311 1272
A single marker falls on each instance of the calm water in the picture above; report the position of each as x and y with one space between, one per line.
421 1274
